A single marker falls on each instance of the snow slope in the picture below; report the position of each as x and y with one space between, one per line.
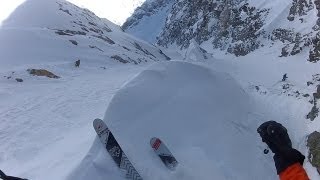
148 19
57 31
204 117
287 102
46 125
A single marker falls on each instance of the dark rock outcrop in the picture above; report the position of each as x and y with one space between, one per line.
104 38
120 59
313 144
42 72
69 32
77 63
95 47
19 80
74 42
300 8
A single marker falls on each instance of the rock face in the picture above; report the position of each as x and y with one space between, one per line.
314 149
299 8
315 108
314 53
232 25
240 27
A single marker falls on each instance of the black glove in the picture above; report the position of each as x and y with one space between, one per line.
276 137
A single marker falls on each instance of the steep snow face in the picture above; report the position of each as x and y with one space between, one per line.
58 31
203 116
148 20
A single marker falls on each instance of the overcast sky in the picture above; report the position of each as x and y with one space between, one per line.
114 10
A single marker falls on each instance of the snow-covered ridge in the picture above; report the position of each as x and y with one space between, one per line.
58 31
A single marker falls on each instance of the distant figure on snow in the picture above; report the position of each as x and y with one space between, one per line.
77 63
285 77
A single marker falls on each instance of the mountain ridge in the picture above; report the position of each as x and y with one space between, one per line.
241 27
76 32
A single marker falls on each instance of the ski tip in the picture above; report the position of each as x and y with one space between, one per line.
97 122
153 140
155 143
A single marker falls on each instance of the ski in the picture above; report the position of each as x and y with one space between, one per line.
163 152
5 177
114 149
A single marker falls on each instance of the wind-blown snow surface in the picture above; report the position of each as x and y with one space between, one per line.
204 117
46 125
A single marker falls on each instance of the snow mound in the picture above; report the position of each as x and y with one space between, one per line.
201 115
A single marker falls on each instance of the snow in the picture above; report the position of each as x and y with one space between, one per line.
205 110
185 105
149 27
37 41
194 53
40 125
264 68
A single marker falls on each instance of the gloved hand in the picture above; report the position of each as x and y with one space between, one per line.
276 137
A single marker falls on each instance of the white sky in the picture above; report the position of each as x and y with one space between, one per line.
7 7
116 11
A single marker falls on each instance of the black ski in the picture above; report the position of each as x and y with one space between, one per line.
5 177
114 149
